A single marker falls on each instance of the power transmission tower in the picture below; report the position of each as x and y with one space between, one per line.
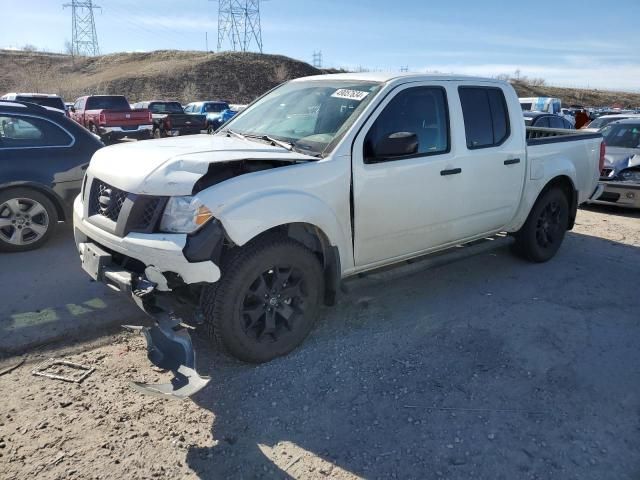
317 59
84 39
239 21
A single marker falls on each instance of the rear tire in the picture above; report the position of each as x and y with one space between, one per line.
267 300
27 219
541 236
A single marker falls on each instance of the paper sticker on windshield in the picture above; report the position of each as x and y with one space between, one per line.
356 95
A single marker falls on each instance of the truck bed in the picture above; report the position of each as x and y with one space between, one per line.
541 136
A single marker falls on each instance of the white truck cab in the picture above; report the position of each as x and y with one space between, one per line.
324 177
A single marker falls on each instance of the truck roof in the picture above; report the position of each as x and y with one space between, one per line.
27 94
385 77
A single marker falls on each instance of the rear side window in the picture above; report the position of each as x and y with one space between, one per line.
486 119
25 132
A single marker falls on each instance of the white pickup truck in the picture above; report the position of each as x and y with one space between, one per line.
251 229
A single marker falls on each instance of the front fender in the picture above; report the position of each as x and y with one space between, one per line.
245 221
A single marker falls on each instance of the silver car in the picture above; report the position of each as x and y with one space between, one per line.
621 173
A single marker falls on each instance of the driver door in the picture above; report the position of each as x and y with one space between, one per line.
404 204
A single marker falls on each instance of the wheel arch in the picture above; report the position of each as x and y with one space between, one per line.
565 183
317 241
43 189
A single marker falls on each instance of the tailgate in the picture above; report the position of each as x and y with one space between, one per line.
127 118
179 120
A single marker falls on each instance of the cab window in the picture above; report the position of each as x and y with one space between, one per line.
419 110
486 118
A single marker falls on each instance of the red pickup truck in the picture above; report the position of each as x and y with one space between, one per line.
111 117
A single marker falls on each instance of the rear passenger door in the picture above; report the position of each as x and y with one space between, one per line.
490 158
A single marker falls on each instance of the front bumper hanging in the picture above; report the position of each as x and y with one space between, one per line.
169 344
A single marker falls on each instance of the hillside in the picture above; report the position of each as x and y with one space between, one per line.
186 76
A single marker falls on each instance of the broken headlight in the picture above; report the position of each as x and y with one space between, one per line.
184 215
630 175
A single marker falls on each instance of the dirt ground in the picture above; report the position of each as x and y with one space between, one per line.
488 367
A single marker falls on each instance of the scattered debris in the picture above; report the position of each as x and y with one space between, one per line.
12 367
41 370
293 462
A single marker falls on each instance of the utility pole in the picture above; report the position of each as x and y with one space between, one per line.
84 39
206 41
239 22
317 59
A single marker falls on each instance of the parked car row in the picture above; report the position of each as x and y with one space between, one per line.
45 151
112 117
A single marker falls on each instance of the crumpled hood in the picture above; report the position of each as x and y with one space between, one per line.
171 166
621 158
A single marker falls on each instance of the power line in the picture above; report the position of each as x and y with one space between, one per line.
317 59
84 39
239 22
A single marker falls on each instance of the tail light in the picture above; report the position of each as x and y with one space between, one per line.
150 117
103 119
167 123
603 149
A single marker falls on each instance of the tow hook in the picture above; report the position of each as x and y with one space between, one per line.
169 346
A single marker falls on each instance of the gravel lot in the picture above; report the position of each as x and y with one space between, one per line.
488 367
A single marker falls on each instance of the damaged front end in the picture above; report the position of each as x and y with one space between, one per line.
620 181
158 246
169 344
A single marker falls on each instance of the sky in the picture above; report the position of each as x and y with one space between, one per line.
573 43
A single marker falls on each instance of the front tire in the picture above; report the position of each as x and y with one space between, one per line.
542 234
267 300
27 218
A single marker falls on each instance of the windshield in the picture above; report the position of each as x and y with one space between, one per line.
603 122
308 114
215 107
53 102
107 102
623 136
165 107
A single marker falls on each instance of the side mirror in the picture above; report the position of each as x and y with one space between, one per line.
72 109
397 144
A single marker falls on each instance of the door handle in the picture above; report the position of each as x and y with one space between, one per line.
453 171
512 161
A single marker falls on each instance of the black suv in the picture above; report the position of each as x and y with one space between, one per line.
43 157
